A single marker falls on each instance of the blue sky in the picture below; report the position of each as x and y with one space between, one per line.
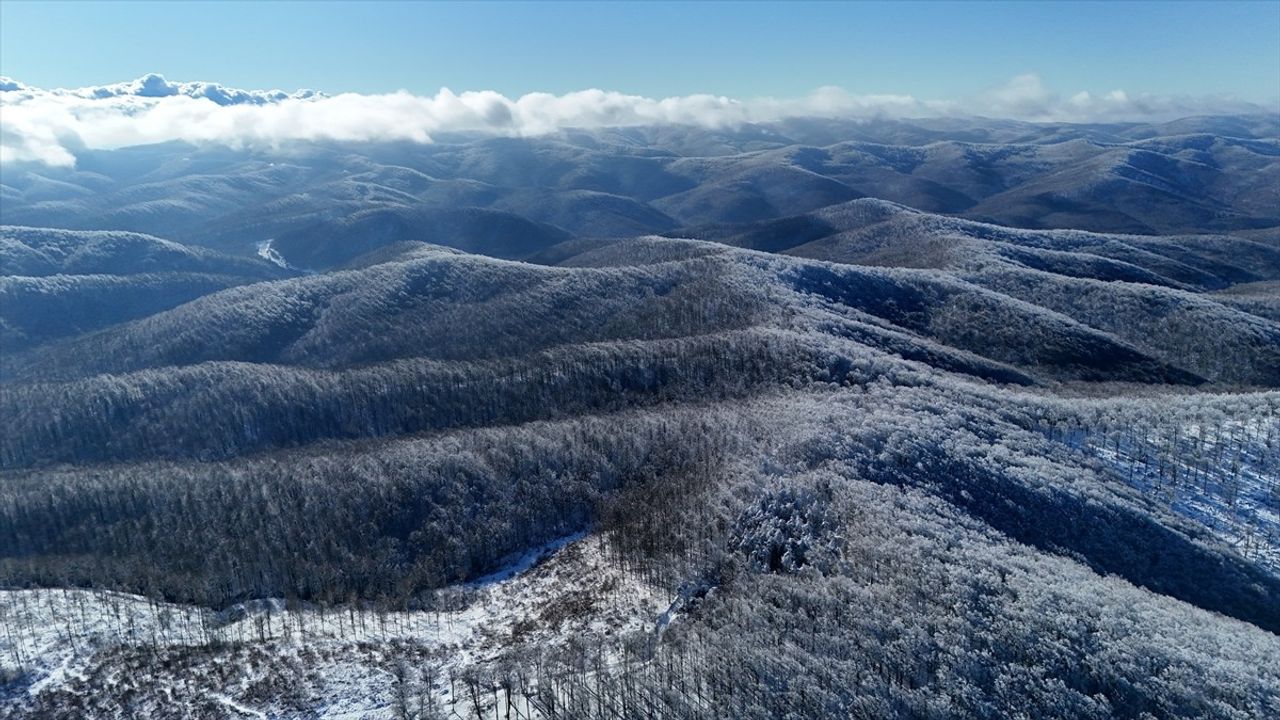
926 49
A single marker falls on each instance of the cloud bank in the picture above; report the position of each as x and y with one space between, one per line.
47 126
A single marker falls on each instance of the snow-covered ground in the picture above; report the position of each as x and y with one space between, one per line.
273 256
67 644
1225 477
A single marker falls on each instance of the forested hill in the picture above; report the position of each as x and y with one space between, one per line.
597 423
725 413
63 283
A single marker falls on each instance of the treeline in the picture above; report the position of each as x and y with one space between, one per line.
973 319
35 310
382 526
437 306
1013 462
1166 323
905 608
916 550
218 410
921 617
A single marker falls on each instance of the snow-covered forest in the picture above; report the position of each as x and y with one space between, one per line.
802 420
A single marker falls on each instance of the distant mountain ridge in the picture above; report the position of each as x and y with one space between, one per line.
1148 179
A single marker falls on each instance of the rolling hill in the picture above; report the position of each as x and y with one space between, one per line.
936 418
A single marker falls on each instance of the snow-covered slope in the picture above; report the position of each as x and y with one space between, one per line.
833 456
61 648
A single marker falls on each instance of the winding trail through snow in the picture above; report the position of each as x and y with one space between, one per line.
237 706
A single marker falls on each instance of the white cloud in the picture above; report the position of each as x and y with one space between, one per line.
1025 97
48 125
